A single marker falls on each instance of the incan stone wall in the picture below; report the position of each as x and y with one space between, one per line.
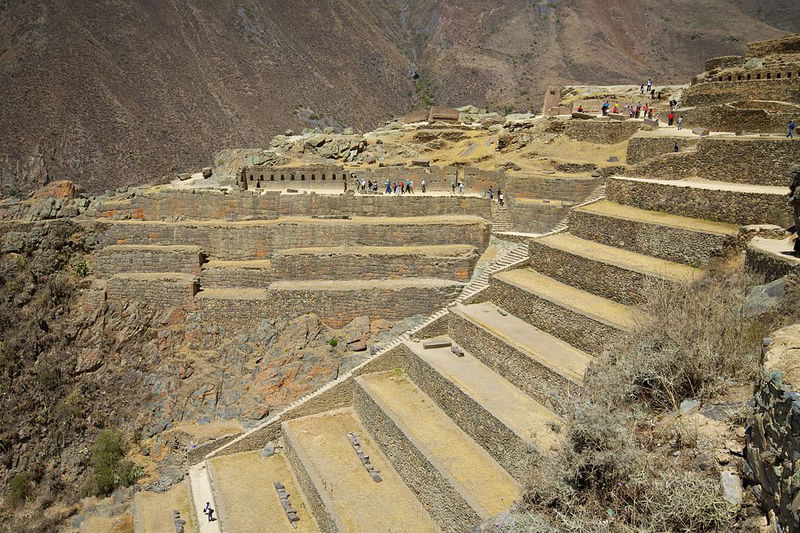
352 263
642 147
725 117
536 216
337 305
115 259
772 452
721 92
161 291
601 131
247 205
566 189
765 161
711 204
259 240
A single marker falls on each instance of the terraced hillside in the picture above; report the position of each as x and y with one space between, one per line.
451 416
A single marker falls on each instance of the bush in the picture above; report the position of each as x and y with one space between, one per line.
81 268
19 489
109 467
333 341
693 340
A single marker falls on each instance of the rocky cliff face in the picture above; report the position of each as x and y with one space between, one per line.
110 93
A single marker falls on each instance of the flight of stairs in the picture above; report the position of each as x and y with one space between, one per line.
454 428
501 218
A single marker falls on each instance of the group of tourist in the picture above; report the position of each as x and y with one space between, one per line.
500 196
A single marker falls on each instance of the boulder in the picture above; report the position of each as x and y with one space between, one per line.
701 131
763 298
58 189
206 172
582 116
618 116
653 123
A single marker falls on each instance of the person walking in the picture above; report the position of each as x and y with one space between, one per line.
670 118
422 184
680 123
388 187
791 128
209 511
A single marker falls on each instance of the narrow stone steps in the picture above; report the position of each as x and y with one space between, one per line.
456 479
338 489
614 273
153 511
732 203
501 418
513 256
582 319
670 237
247 498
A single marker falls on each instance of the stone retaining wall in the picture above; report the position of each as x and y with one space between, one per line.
336 308
535 216
666 242
601 131
720 92
341 264
161 291
725 117
764 161
175 205
227 276
642 147
115 259
561 188
772 452
720 205
668 166
253 240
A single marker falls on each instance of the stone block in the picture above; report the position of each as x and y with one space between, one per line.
700 131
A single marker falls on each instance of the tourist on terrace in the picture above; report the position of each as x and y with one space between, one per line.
410 187
791 129
490 192
388 186
670 118
580 108
422 183
680 123
605 107
460 187
500 197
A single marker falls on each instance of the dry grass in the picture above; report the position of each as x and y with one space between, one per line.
693 342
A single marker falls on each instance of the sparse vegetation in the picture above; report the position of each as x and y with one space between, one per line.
81 268
611 472
333 341
19 488
110 469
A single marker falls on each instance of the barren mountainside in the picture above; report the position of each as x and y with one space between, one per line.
110 93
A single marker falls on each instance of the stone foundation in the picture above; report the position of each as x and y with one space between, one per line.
122 258
601 131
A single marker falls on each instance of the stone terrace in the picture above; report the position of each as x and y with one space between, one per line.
240 258
451 415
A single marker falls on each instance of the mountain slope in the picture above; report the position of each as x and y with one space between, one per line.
108 92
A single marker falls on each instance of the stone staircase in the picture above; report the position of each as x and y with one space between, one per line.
451 416
501 218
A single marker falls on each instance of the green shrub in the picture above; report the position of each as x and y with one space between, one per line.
109 467
333 341
81 268
19 489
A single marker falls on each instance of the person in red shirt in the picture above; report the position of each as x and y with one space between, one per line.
670 118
